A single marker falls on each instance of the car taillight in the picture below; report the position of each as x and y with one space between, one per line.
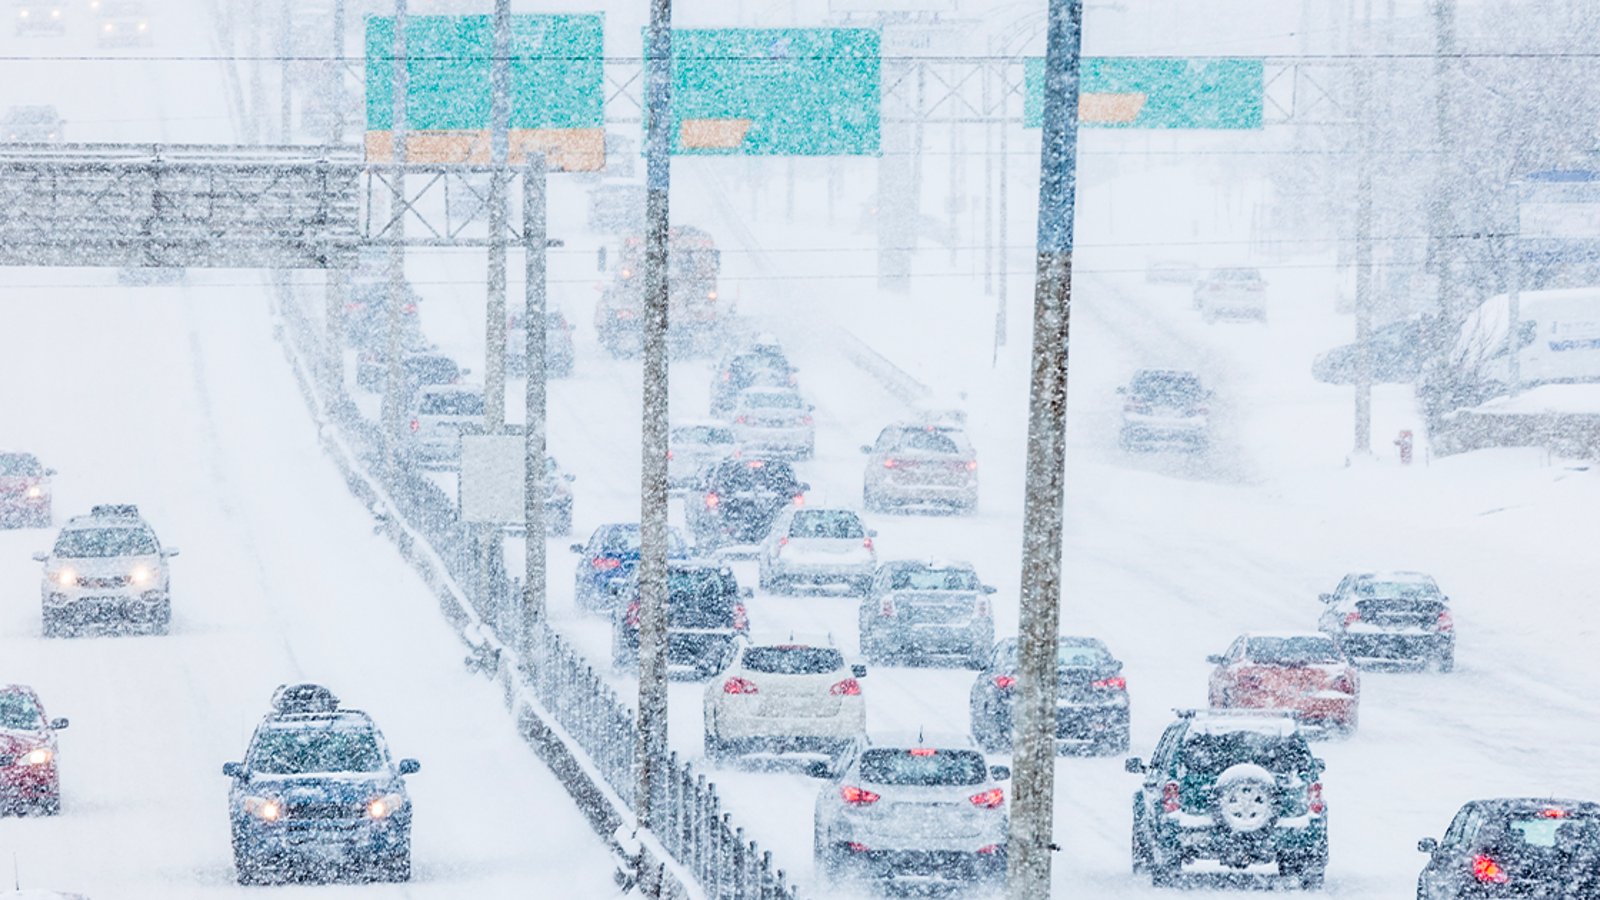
415 425
972 465
799 499
1351 618
1005 682
806 420
1314 799
856 796
712 500
866 542
981 608
741 620
886 608
1200 411
669 454
857 847
1344 685
737 685
890 463
632 617
606 564
409 308
994 798
846 688
989 849
1552 813
1487 871
1169 797
727 375
1114 683
741 420
783 542
1445 623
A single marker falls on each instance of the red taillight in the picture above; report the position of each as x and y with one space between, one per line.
1486 870
1114 683
1344 684
981 608
1552 813
415 425
741 420
972 465
922 751
994 798
669 454
783 542
409 308
632 617
1314 799
846 688
727 374
890 463
712 500
855 847
741 621
799 499
1445 623
856 796
886 608
738 685
989 849
805 420
606 564
867 543
1005 682
1351 618
1169 797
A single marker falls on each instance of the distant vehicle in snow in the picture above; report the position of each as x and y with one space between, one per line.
1515 847
1235 293
1171 271
420 367
559 352
557 498
438 417
1390 619
697 312
41 17
748 368
693 445
814 547
608 563
737 501
706 613
32 125
774 422
366 308
787 696
917 610
920 463
1239 789
1163 407
107 571
1091 698
1557 340
1396 350
29 779
123 24
24 491
914 812
1302 672
318 795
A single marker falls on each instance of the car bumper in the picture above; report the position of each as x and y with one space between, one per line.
24 785
824 731
952 638
21 506
288 844
1196 837
894 491
930 869
1378 649
74 608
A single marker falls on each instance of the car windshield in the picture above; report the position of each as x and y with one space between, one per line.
922 766
1376 589
702 434
793 660
712 591
1171 386
296 751
1211 754
756 475
826 523
772 400
928 440
91 542
1291 651
1075 653
18 464
451 404
1545 831
18 712
931 579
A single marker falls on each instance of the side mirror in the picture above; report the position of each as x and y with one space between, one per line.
410 767
858 670
1133 764
169 551
49 472
747 592
1325 598
57 724
1216 659
1121 390
989 589
866 448
1320 763
811 407
41 556
569 476
1427 845
1116 666
804 486
872 532
819 768
233 769
600 259
575 548
1000 773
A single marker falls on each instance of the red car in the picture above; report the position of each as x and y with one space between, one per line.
24 491
1302 672
29 780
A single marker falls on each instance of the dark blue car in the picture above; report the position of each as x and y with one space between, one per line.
610 560
318 795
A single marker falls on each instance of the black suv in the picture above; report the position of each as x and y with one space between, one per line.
1519 847
1240 789
1091 698
737 499
705 614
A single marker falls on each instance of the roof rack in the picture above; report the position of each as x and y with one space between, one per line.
116 510
304 697
1239 713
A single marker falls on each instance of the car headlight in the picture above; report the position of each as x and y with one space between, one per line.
142 575
38 757
109 27
65 577
23 13
384 806
267 809
35 492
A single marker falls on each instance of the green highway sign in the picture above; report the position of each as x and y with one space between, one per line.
1158 92
775 91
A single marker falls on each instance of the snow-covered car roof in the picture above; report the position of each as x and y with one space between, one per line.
1285 635
699 423
1214 722
939 740
1397 575
932 562
794 639
121 514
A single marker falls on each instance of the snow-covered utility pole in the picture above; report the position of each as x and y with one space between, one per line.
1033 785
494 366
338 280
397 252
651 754
1444 185
285 101
534 471
1365 113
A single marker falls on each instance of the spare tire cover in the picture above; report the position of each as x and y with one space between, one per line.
1247 798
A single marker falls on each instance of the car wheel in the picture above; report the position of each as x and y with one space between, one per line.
1446 661
1164 873
824 858
248 873
52 627
978 657
1140 851
396 867
50 806
863 587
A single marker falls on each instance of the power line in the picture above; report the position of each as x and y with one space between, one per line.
974 58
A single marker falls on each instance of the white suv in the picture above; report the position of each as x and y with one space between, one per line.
107 570
785 697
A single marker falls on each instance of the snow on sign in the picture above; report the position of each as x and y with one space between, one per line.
1560 206
492 470
1159 92
557 102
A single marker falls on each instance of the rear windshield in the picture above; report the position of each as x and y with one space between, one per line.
1395 590
86 542
756 474
1291 651
702 434
432 369
1211 754
295 751
1171 386
1377 610
922 766
18 464
930 440
18 712
695 592
1544 831
1075 654
934 580
452 405
772 400
826 523
785 660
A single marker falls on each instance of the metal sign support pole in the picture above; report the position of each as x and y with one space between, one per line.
494 367
390 425
534 474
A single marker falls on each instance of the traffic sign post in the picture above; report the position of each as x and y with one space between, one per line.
1159 92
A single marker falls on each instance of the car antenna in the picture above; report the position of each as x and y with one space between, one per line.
919 734
16 872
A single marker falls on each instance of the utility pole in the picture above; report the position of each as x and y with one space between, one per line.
1033 786
534 473
1365 115
337 290
494 367
397 250
1443 206
651 754
285 102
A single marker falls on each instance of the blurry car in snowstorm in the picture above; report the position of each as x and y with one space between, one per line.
366 308
705 615
1396 351
925 813
1235 789
920 463
318 795
1302 672
1515 847
815 547
557 498
788 696
123 23
438 417
559 353
736 501
419 369
24 491
774 422
691 446
41 17
1164 407
1390 618
32 125
1236 293
1091 698
917 610
29 779
609 561
107 571
744 370
1171 271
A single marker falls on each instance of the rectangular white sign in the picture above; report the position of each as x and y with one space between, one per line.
492 480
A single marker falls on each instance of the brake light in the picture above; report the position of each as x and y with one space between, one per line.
1169 797
1486 870
981 608
737 685
415 425
741 420
1344 685
711 295
632 617
1005 682
1114 683
669 454
890 463
606 564
989 849
972 465
1445 623
1351 618
409 308
783 542
741 620
855 847
856 796
867 543
1314 801
886 609
712 500
727 374
806 420
993 798
846 688
922 751
799 499
1552 813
